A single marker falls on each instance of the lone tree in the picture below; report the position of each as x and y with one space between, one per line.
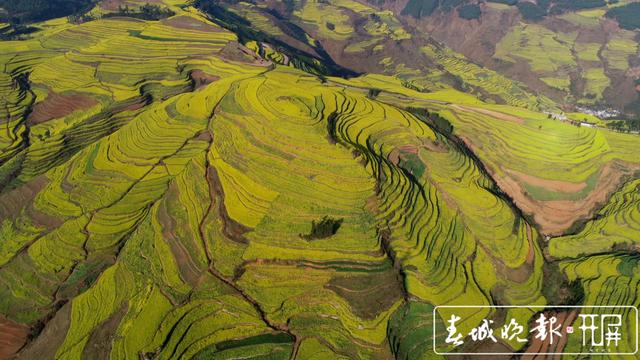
323 229
373 93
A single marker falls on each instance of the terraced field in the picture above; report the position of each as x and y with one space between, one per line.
369 39
606 263
574 56
560 174
169 190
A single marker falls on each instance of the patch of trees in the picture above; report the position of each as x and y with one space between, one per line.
373 93
441 124
625 125
469 11
145 12
326 227
561 6
376 2
507 2
531 11
536 11
16 31
319 63
289 6
627 16
448 5
421 8
30 11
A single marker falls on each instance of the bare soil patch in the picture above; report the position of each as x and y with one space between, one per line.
370 294
555 217
232 229
553 185
492 113
201 78
51 338
189 269
98 346
13 336
189 23
21 201
56 106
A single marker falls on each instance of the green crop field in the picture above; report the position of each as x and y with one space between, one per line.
224 183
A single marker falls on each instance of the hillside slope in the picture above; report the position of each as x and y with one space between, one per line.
576 55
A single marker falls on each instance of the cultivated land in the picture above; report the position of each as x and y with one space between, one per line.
574 57
161 184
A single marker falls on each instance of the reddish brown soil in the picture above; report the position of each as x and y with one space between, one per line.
234 51
98 346
557 216
475 39
56 106
492 113
21 200
189 23
13 336
553 185
201 78
44 347
14 201
531 256
232 229
190 272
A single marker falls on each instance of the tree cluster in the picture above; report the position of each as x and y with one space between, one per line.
326 227
30 11
627 16
625 125
145 12
420 8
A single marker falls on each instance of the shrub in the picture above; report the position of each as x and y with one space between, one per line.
145 12
441 124
373 93
323 229
531 11
448 5
469 11
627 16
28 11
420 8
560 6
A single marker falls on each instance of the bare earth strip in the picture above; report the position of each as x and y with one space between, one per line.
56 106
555 217
13 336
552 185
495 114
